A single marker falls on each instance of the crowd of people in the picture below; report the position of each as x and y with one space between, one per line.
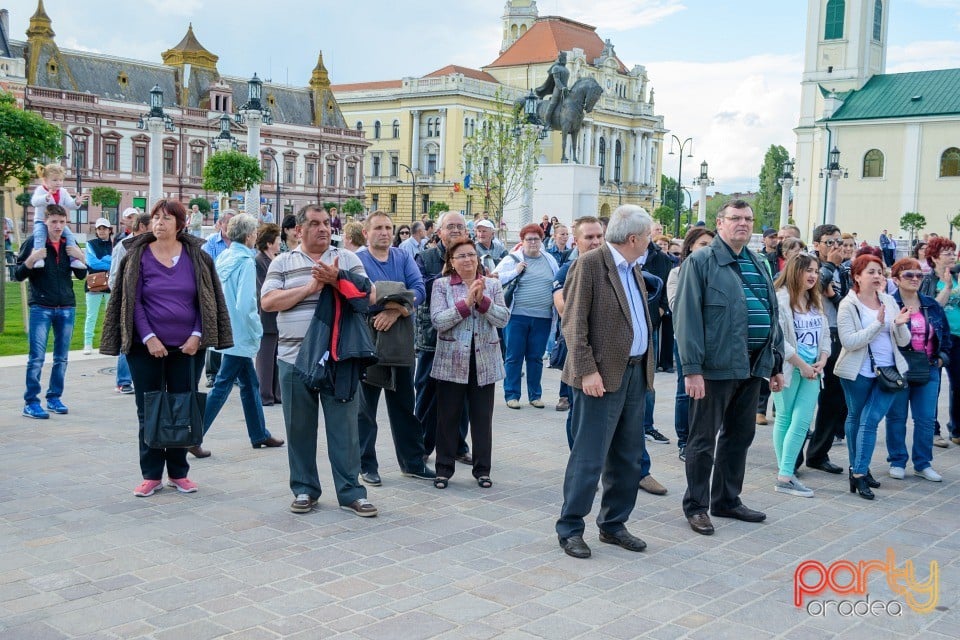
433 315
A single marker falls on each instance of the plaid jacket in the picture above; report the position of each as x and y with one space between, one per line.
458 326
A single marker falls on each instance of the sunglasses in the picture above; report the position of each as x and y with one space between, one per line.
404 233
911 275
675 253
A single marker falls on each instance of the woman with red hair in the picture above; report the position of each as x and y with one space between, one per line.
871 327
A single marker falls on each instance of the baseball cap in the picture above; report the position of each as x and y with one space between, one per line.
129 212
485 223
769 232
102 222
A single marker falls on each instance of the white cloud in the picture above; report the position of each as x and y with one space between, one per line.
176 7
923 55
733 110
615 15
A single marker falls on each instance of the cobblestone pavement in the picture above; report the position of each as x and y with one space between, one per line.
81 557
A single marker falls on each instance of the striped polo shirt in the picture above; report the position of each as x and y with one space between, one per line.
758 310
289 271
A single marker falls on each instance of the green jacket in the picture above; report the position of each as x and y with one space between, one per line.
711 313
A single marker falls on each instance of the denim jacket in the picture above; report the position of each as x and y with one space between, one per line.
938 321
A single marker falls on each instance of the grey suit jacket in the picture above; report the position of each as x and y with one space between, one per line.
596 321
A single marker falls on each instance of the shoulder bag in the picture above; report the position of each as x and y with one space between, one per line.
173 420
97 282
511 286
918 372
888 377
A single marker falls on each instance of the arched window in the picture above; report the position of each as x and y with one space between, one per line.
833 23
873 164
950 163
359 125
376 130
877 20
429 127
603 160
617 157
396 128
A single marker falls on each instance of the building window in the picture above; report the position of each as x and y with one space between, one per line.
168 167
429 127
466 127
394 166
139 159
289 171
375 202
436 127
873 164
833 23
950 163
393 203
396 128
267 167
359 126
196 163
603 161
110 156
375 166
331 174
617 158
351 176
877 20
311 173
431 164
376 130
80 162
425 204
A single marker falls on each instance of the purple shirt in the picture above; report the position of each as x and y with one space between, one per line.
166 304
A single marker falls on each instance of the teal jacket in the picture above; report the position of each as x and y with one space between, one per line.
237 269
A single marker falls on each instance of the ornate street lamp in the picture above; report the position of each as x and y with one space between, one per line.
156 122
832 172
253 113
682 145
413 191
786 182
703 181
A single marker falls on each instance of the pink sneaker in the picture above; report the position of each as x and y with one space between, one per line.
147 488
183 485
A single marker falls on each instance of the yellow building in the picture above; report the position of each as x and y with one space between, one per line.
417 126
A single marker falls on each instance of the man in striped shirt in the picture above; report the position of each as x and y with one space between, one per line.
729 342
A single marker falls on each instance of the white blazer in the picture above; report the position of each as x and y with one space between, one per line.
855 338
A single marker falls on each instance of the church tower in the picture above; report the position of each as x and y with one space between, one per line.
518 16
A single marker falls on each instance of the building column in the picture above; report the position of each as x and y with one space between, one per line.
415 141
442 130
635 163
648 160
586 155
155 127
253 119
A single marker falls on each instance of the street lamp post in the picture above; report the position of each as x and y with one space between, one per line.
225 140
680 176
786 182
703 181
413 191
534 128
254 113
272 154
832 172
156 122
76 168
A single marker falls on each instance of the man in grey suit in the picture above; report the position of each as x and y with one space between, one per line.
609 366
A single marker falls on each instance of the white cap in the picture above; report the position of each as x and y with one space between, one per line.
485 223
102 222
129 212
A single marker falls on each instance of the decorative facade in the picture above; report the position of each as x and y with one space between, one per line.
417 126
98 99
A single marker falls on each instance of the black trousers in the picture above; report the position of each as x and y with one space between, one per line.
831 411
267 372
722 426
404 426
426 405
450 408
146 372
213 363
665 357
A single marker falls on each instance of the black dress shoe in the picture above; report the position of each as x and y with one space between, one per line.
623 538
575 547
740 512
700 522
199 452
372 479
269 442
872 482
827 466
465 458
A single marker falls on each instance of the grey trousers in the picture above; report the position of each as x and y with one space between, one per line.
301 412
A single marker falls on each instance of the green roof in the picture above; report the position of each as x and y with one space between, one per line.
904 95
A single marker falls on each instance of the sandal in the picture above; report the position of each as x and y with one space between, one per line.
440 482
485 482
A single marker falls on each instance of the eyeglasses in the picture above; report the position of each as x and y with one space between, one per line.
533 240
738 219
465 256
911 275
948 253
454 227
404 233
828 243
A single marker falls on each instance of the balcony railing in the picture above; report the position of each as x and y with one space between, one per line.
56 94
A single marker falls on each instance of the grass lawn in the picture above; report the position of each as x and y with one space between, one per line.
13 340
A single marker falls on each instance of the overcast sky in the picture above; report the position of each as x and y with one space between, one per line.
725 73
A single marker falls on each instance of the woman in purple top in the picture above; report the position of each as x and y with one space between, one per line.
166 310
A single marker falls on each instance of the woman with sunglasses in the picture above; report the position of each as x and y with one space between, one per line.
403 232
930 335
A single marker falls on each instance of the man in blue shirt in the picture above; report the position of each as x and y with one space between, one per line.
384 263
218 242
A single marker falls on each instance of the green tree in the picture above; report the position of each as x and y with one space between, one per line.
500 156
668 193
230 171
353 206
911 222
202 203
955 222
106 196
330 205
25 139
437 208
665 215
767 207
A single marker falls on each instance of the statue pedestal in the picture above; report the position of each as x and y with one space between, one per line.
566 191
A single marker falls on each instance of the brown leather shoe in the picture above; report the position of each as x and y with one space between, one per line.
269 442
700 522
762 419
199 452
650 485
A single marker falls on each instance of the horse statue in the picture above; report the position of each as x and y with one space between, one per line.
580 99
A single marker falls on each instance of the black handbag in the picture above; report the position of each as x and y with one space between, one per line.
511 287
558 355
173 420
888 377
918 372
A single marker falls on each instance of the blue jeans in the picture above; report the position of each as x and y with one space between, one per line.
922 402
123 371
681 403
867 404
42 319
240 369
526 340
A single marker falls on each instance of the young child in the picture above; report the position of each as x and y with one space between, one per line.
51 191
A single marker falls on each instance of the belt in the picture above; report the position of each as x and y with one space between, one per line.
634 361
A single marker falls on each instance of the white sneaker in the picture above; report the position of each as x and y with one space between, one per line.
929 474
87 349
794 487
896 473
